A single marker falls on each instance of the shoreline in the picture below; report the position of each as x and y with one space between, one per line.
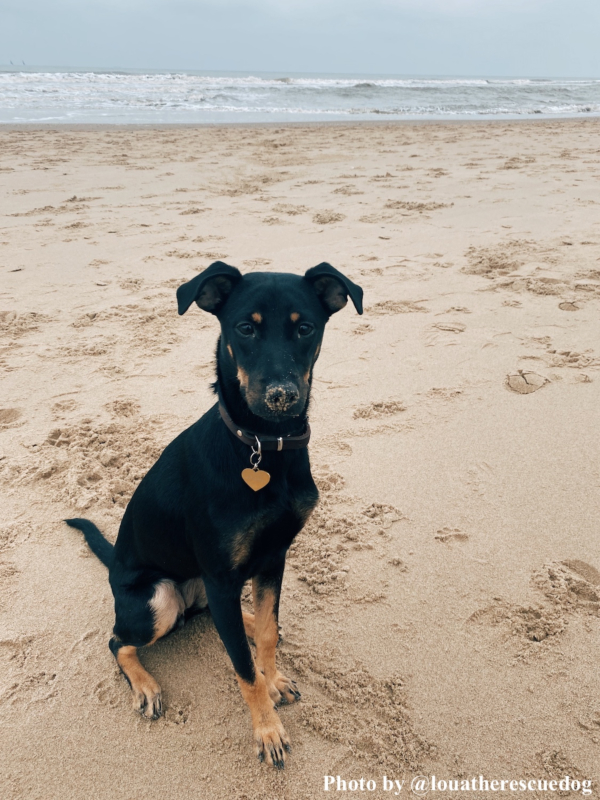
101 126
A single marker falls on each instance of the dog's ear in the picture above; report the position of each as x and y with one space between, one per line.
210 289
333 288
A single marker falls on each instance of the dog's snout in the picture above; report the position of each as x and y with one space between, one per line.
281 396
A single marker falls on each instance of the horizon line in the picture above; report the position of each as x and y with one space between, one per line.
284 73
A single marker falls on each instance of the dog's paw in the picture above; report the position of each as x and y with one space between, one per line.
282 690
272 743
147 699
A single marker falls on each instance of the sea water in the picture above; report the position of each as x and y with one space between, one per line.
135 96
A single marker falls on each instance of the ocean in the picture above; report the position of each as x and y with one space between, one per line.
135 96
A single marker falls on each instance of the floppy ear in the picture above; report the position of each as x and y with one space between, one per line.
333 288
210 289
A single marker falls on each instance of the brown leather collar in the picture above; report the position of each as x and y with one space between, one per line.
266 442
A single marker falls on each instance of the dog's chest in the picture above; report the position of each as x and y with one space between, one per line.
272 528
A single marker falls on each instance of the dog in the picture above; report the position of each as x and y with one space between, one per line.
227 497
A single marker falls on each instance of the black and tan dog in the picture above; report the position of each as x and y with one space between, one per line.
226 498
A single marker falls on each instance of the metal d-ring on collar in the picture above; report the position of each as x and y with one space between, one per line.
258 445
256 452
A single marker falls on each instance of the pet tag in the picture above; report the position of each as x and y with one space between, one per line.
256 478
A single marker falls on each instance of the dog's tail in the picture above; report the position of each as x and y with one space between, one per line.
99 546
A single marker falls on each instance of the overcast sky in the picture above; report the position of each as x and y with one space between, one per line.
536 38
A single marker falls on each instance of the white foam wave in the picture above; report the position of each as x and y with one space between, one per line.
136 96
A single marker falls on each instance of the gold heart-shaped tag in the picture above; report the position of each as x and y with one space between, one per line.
256 478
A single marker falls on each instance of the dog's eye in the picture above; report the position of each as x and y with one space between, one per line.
305 329
245 329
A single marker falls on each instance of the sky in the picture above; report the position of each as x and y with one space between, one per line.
529 38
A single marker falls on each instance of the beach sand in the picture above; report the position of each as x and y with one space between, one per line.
440 611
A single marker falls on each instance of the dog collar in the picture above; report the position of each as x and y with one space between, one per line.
277 443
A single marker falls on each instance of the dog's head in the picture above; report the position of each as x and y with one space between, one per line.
272 326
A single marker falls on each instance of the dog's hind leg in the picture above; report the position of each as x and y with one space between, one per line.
249 625
146 691
143 615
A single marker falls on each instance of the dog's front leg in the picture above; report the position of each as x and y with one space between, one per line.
270 737
266 589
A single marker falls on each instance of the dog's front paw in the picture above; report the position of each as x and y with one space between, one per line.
283 690
272 743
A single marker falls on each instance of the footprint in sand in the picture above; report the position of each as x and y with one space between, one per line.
180 711
451 327
573 584
569 587
451 535
131 284
123 408
555 764
436 334
107 693
379 408
15 325
567 306
257 262
289 209
586 571
8 416
205 371
362 328
63 407
525 382
27 683
396 307
533 623
457 309
327 217
591 722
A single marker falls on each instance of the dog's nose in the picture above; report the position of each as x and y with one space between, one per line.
280 396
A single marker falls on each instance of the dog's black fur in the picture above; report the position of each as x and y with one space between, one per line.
194 532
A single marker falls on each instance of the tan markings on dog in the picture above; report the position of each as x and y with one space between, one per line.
242 545
306 376
240 550
270 737
267 635
318 350
295 316
229 350
193 593
257 317
243 541
251 393
167 605
146 691
243 377
258 700
249 624
280 688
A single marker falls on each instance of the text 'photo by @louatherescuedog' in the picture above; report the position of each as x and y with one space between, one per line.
226 498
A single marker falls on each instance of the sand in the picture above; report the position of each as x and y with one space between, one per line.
441 610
